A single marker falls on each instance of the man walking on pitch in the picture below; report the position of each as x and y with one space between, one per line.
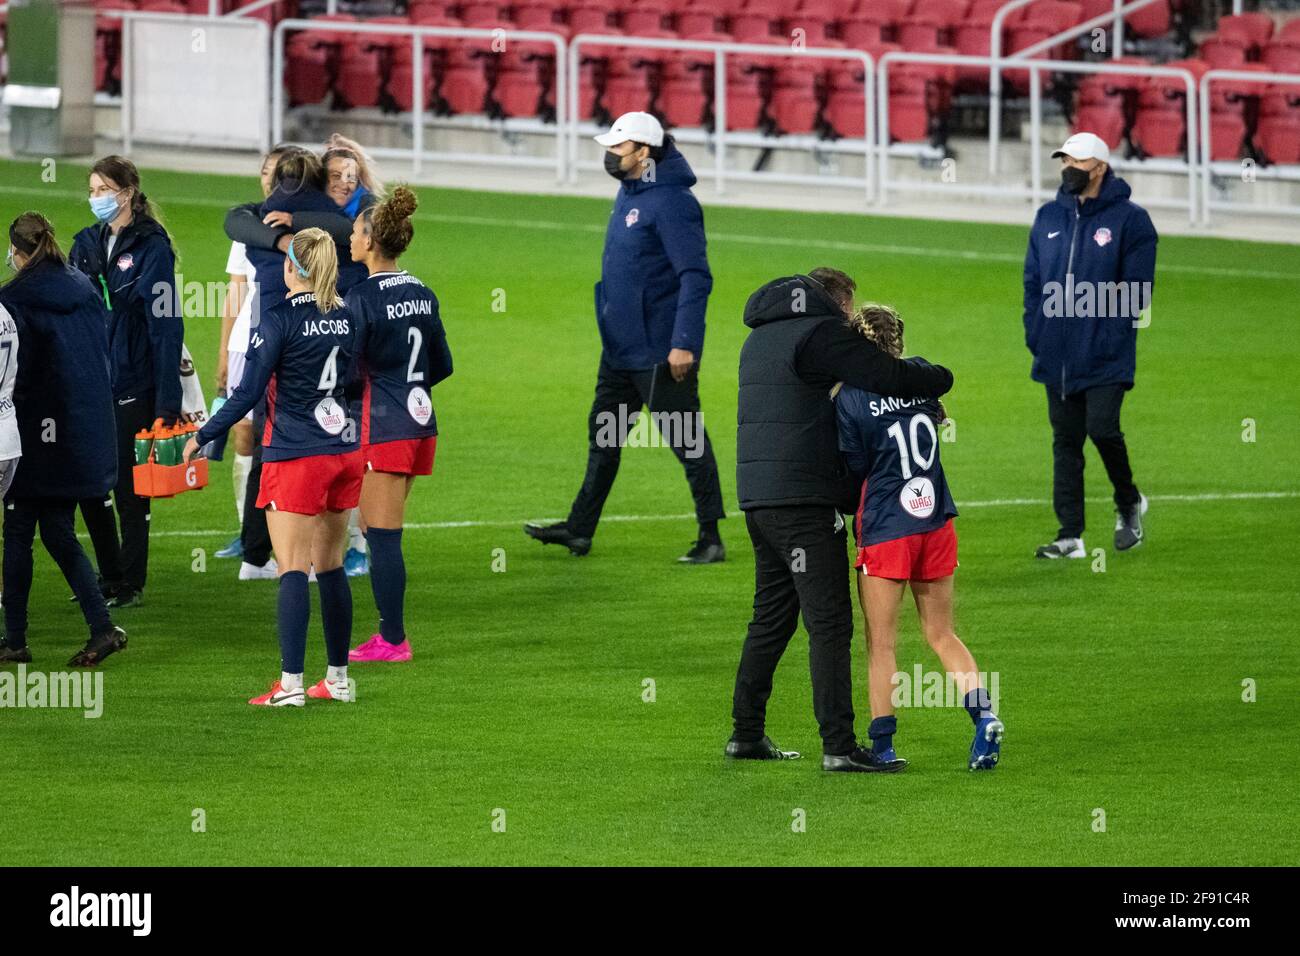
793 486
650 303
1088 277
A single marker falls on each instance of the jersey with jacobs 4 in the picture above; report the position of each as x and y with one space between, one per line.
304 361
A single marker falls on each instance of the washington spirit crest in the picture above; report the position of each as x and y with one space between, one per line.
124 262
632 217
1102 236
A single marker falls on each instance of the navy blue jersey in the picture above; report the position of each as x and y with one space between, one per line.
403 353
892 444
302 361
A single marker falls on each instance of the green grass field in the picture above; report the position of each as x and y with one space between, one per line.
1122 690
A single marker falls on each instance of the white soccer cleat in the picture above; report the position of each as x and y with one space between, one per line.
251 572
332 690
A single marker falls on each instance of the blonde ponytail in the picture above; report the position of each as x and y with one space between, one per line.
314 254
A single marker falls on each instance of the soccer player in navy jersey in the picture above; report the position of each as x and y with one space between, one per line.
403 354
301 355
905 537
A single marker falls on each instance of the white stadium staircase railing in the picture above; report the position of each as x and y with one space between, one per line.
1034 192
417 34
720 135
1235 168
1114 17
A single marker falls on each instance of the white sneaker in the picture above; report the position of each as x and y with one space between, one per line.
1062 548
251 572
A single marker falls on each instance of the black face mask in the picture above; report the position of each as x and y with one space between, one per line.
1074 179
613 165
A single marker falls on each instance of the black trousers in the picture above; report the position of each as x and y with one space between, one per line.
56 518
1094 414
620 396
125 563
253 532
800 564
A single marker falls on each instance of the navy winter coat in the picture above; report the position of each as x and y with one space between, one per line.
62 395
145 327
1089 273
655 278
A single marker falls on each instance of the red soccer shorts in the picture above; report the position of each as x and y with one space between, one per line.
312 485
406 456
917 557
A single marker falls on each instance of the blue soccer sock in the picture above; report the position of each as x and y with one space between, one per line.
388 581
977 705
293 613
882 732
336 614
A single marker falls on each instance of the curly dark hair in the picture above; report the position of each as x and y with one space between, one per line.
884 326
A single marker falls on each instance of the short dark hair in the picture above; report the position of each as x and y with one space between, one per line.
657 153
838 285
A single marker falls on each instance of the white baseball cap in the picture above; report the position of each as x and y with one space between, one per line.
1084 146
638 127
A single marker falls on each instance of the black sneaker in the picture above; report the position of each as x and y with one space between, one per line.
558 534
862 760
1128 526
704 551
97 648
15 655
126 597
758 750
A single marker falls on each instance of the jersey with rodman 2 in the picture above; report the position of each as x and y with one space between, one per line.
403 353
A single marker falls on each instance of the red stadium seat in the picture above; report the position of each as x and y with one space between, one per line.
1281 58
972 38
1289 32
1099 108
1223 53
1152 21
463 85
683 93
1252 30
477 13
930 22
845 109
794 105
1160 129
920 96
1278 134
745 94
1228 113
871 22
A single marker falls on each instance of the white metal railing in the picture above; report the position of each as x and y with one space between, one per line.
1034 192
720 50
1207 163
1115 17
253 8
418 34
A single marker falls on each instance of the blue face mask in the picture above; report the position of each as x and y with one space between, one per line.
104 207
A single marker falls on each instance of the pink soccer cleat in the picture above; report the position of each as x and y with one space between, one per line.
378 649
